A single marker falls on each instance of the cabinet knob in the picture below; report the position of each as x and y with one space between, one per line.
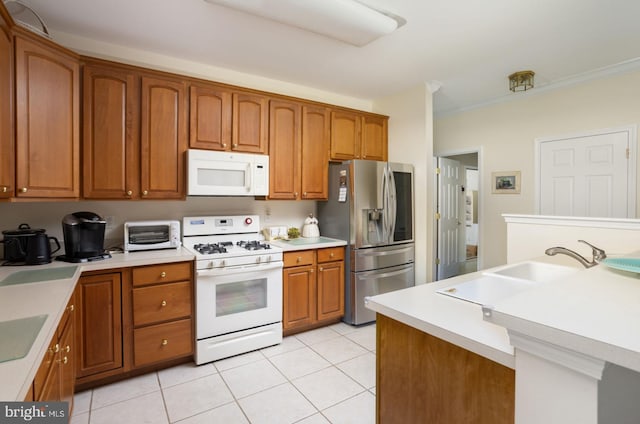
321 269
163 303
165 342
65 360
311 271
5 189
23 190
67 349
71 308
145 192
331 255
304 194
295 194
235 144
129 193
56 348
163 274
224 145
299 259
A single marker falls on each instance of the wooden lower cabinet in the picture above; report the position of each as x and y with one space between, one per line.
99 332
313 289
132 320
423 379
55 379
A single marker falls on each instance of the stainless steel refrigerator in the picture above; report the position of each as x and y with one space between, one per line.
371 206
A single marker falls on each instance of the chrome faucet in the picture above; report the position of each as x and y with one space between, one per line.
598 254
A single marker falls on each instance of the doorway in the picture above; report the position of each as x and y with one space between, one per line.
457 223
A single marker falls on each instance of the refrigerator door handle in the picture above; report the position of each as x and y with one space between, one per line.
373 252
378 274
385 203
393 205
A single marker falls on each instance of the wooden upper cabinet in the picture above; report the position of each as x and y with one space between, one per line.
374 138
210 118
7 146
250 123
316 131
111 137
345 135
163 140
284 150
47 121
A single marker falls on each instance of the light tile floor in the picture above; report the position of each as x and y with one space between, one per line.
320 376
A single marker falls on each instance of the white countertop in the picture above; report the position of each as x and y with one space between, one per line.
595 312
453 320
51 298
303 243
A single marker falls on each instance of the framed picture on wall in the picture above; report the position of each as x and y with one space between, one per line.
505 182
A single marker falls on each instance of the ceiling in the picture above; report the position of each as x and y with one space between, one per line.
468 46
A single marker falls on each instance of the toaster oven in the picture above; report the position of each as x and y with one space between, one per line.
151 235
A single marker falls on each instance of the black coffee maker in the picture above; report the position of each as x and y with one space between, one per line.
83 237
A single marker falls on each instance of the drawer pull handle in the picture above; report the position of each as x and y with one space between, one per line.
65 360
331 255
165 342
67 349
163 274
56 348
163 303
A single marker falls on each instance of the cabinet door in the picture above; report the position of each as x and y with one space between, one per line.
7 146
284 150
47 122
345 135
210 118
316 130
250 121
67 364
111 138
163 140
374 138
330 290
299 297
99 324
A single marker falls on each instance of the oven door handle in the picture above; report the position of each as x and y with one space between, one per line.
238 270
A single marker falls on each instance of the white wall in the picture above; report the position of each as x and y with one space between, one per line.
160 62
48 215
411 141
507 131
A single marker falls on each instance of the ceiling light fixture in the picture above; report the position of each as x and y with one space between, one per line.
349 21
521 81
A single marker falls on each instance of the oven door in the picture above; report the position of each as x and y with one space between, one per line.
237 298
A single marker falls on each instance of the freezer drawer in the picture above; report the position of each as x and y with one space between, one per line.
371 283
381 257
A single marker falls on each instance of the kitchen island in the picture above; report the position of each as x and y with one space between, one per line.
49 297
576 355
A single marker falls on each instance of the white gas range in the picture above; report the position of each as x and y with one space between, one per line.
238 286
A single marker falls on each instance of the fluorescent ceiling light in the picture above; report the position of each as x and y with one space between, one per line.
345 20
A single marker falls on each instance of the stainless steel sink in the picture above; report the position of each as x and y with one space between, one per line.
37 275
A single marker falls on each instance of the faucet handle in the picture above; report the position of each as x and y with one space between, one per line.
598 254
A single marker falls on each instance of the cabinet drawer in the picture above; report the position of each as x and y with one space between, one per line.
331 254
164 273
40 379
161 342
300 257
161 303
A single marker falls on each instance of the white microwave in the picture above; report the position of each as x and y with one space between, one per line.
151 235
212 173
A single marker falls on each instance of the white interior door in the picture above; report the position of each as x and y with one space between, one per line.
589 176
450 225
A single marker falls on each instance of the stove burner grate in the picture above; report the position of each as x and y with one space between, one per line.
208 248
253 245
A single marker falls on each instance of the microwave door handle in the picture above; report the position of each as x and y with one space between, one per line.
248 178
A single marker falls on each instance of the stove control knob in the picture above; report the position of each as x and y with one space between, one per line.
248 221
223 264
258 259
210 264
